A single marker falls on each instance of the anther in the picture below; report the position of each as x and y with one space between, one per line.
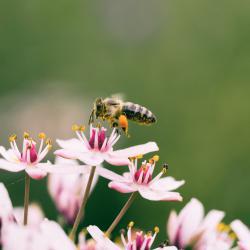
156 158
165 168
49 143
26 135
122 231
131 224
42 136
149 233
75 127
81 128
156 229
139 156
12 138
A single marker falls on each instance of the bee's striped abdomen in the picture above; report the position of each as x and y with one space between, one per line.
138 113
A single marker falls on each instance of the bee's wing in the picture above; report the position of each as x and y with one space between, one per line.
118 96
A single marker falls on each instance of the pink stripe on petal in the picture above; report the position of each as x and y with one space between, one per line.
35 173
121 187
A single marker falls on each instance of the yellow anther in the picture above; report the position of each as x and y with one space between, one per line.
49 142
81 128
26 135
233 236
149 233
131 224
12 138
221 227
139 156
156 158
157 230
75 127
42 136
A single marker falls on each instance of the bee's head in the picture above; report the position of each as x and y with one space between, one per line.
99 107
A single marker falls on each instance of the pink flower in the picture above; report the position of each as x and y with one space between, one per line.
38 235
142 180
84 244
47 235
190 227
141 242
67 190
30 158
36 215
243 234
99 147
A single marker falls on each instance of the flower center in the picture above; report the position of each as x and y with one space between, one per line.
143 174
101 136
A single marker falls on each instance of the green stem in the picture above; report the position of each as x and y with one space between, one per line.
84 201
121 214
26 199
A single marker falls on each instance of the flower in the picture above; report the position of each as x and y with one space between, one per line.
38 235
30 158
142 180
99 147
190 227
36 215
46 236
243 234
67 190
84 244
141 242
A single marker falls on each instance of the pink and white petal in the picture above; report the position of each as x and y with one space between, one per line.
72 144
54 234
172 226
35 172
166 248
63 161
242 232
108 174
122 187
190 219
112 159
91 158
67 153
103 242
166 184
5 203
64 169
137 150
212 219
11 167
152 195
8 154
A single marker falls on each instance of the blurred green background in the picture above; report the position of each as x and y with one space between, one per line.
188 61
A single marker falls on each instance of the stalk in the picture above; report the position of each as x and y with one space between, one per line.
84 202
121 214
26 199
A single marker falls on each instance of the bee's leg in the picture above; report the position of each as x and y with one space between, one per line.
91 118
116 125
123 124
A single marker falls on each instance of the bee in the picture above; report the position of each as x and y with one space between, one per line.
118 112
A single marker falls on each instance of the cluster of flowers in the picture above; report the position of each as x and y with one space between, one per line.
70 184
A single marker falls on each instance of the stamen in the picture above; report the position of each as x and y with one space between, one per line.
131 224
82 128
154 159
26 135
49 143
75 127
165 168
42 136
156 229
12 138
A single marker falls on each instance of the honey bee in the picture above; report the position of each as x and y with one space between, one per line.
118 112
